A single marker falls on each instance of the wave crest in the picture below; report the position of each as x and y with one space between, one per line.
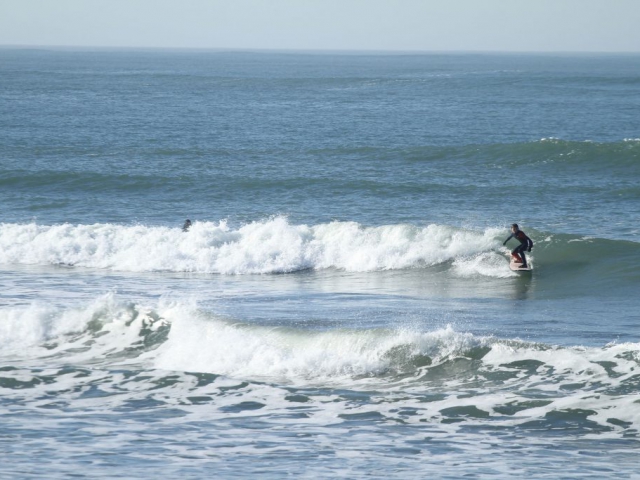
269 246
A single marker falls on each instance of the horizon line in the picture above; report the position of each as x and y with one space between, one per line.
316 50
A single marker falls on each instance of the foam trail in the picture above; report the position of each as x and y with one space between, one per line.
484 264
270 246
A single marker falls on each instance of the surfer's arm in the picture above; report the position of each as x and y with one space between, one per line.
510 237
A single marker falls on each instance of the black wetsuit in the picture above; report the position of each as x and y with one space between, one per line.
525 244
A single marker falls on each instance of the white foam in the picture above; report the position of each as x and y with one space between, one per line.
34 324
111 332
487 264
268 246
104 326
216 346
568 377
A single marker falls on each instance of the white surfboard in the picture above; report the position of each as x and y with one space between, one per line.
517 267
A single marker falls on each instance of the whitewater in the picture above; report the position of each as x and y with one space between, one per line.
272 246
342 304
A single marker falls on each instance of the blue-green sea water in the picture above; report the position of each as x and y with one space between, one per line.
342 305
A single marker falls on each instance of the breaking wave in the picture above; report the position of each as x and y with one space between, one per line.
277 246
179 354
270 246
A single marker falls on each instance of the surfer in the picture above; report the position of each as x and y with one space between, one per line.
525 244
186 226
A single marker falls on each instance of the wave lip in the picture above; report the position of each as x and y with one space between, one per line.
269 246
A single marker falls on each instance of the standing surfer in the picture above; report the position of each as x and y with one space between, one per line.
525 244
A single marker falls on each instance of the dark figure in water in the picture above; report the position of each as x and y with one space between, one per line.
525 244
186 226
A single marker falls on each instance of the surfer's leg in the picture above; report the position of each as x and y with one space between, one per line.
514 254
524 259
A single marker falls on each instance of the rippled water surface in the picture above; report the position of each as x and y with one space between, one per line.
342 304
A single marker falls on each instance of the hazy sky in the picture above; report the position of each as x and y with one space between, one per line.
429 25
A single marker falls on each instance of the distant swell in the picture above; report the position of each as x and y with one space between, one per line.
551 156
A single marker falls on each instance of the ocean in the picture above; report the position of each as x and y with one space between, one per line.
342 305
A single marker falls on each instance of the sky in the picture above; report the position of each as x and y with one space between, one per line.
378 25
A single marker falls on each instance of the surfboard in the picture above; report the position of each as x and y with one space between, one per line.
516 266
